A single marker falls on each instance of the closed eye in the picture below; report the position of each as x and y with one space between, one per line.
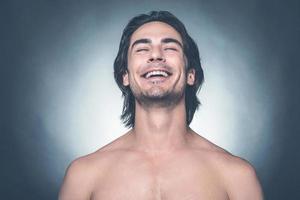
169 48
144 49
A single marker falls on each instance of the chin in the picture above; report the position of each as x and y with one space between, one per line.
159 98
156 93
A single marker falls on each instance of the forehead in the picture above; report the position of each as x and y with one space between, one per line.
155 30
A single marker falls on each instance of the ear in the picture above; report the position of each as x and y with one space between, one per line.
125 79
191 77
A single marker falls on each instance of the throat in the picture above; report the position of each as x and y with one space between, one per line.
158 118
160 129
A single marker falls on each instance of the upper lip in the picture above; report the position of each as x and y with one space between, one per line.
156 69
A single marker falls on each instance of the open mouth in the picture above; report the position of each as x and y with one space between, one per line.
156 73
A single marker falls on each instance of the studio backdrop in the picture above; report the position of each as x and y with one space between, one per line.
59 99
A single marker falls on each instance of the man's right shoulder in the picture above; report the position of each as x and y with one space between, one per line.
83 174
91 163
99 158
78 181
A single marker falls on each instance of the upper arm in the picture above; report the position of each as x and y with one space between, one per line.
77 184
243 182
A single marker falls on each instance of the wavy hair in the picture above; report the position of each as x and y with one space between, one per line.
190 50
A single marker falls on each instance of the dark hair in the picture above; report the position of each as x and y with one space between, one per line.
190 50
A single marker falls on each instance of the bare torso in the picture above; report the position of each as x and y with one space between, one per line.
201 170
184 174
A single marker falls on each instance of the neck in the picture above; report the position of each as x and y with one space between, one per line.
160 129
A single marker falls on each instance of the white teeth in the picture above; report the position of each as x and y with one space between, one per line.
149 74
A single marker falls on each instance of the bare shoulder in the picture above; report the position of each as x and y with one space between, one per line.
77 182
241 179
84 172
81 175
237 174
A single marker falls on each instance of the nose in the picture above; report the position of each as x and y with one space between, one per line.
156 55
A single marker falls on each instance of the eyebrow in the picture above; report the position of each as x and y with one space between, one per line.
171 40
141 41
148 41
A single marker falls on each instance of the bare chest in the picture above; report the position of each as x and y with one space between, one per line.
171 181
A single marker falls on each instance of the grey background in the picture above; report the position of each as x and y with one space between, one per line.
59 100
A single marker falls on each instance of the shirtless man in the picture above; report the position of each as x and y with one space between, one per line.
159 72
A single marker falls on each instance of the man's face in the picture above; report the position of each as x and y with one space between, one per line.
157 64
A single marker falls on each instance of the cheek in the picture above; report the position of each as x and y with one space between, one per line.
175 57
133 76
134 63
178 63
137 58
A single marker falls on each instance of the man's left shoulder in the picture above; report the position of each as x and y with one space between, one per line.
224 160
239 177
236 167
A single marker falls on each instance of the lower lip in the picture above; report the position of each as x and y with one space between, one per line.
156 79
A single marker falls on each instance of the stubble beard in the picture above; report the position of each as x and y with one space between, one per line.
157 98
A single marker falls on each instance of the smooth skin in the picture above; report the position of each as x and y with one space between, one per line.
161 158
